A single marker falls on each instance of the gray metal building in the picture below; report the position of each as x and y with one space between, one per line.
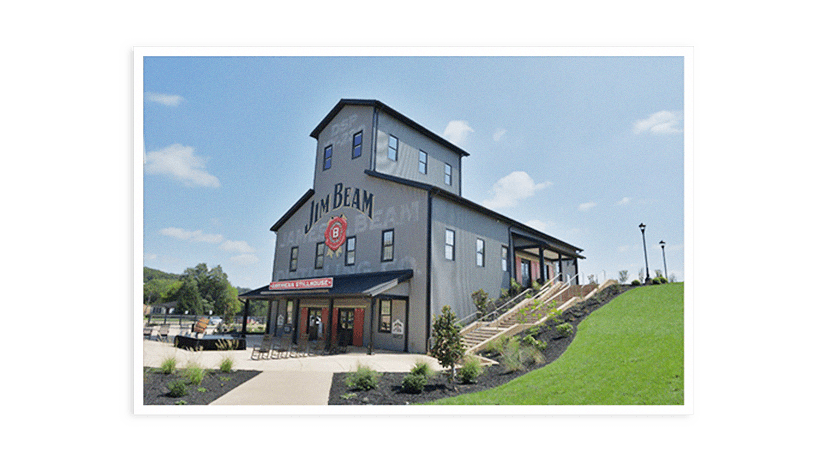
383 240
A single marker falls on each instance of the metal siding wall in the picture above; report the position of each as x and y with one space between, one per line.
454 281
407 164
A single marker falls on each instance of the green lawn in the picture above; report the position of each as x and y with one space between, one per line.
629 352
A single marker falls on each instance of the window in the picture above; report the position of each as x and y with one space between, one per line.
320 256
357 145
350 251
449 244
504 252
393 148
422 162
448 174
385 315
479 252
328 157
387 245
294 258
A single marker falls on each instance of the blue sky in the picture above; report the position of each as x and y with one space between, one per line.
582 148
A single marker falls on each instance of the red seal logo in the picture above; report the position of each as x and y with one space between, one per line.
336 232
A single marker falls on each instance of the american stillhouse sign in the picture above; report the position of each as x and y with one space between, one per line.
376 274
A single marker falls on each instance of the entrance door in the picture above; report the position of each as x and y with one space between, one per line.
525 272
314 318
345 326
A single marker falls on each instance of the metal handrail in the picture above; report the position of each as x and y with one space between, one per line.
467 318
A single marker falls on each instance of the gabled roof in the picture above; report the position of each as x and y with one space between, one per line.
382 107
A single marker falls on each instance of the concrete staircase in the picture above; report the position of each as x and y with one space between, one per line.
527 313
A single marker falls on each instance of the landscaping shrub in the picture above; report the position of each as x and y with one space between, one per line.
496 346
363 379
470 370
226 365
447 347
168 366
178 389
195 374
533 342
422 368
565 329
515 356
635 282
413 383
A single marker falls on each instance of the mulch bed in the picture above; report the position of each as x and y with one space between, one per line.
389 391
214 385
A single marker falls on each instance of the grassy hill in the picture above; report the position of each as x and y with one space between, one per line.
629 352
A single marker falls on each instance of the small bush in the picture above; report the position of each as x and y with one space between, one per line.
169 365
195 374
496 346
363 379
422 368
635 282
533 342
226 365
178 389
516 357
413 383
470 370
565 329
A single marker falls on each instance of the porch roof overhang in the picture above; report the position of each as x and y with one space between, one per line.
351 285
523 240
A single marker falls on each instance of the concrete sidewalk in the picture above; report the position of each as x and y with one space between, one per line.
290 381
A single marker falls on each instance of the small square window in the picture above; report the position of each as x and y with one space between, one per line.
393 148
448 174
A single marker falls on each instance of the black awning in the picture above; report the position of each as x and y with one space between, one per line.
363 284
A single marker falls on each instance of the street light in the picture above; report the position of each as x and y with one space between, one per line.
663 250
643 234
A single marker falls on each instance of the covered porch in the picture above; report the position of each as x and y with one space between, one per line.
539 257
337 311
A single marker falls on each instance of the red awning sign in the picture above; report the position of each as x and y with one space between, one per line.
298 284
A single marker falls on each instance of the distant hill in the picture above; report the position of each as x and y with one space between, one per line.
149 274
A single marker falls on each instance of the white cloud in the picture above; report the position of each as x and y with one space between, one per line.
513 187
236 246
164 99
623 201
662 122
537 224
585 207
245 259
193 236
498 134
180 162
457 131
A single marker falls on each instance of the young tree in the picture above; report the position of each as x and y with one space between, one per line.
447 348
623 276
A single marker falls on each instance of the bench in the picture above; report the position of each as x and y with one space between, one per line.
201 325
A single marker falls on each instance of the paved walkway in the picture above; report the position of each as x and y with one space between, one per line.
291 381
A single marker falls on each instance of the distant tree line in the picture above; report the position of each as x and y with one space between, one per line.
197 290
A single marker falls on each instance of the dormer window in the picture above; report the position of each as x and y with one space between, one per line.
328 157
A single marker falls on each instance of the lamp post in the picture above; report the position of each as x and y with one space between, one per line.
645 257
663 251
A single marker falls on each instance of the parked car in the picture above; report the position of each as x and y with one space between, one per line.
215 320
